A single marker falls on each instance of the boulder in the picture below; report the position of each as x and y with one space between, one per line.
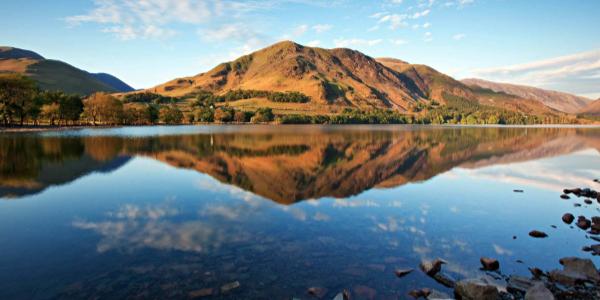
422 293
588 201
568 218
565 196
538 292
584 267
475 289
489 264
583 223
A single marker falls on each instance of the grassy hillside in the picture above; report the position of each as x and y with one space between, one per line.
56 75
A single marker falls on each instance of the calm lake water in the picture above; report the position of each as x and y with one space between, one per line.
169 212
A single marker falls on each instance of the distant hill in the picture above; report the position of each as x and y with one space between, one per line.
592 109
338 78
57 75
558 100
113 81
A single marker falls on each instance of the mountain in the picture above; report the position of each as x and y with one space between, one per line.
57 75
338 78
558 100
113 81
592 109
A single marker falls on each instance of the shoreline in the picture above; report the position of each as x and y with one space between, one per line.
47 128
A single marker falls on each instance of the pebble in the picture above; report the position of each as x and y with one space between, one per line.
403 272
537 234
230 286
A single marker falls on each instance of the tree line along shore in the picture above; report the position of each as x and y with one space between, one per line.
22 104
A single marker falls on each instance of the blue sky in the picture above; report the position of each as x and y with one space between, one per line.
546 43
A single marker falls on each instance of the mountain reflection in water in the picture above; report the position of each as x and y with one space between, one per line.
305 164
178 212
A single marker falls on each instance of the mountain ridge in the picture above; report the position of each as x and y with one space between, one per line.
561 101
52 74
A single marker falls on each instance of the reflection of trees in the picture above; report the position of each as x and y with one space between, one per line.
304 164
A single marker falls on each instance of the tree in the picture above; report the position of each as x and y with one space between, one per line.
15 91
137 114
51 112
70 108
102 107
204 114
224 114
262 115
171 114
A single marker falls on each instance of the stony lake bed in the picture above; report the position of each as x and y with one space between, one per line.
300 212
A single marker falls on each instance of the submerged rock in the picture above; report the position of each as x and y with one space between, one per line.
432 267
201 293
538 292
318 292
518 191
537 234
565 196
445 280
518 284
588 201
568 218
403 272
365 292
230 286
345 295
422 293
475 289
489 264
437 295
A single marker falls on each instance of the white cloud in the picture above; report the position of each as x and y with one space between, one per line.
395 21
320 28
428 37
398 42
459 36
421 14
346 43
575 73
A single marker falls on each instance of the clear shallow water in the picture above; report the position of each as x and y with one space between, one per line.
161 212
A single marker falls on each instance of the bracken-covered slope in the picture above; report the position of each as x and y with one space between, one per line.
328 76
56 75
558 100
440 87
335 78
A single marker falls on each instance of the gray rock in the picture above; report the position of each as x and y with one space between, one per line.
518 284
538 292
566 278
583 267
475 289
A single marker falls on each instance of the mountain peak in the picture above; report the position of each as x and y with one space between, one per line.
16 53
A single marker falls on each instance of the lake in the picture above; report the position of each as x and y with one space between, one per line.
267 212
